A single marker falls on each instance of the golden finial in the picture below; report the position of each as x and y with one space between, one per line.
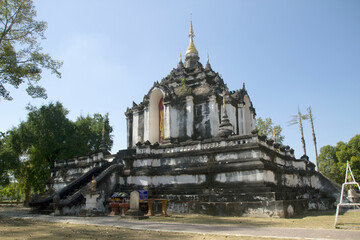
207 56
191 49
191 32
180 57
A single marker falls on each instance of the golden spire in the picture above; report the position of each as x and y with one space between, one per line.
207 56
191 49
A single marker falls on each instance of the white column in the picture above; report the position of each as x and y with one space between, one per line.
129 130
189 116
135 127
167 119
146 124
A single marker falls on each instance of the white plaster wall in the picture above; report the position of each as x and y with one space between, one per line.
293 180
246 176
169 161
147 163
231 112
163 180
253 121
205 116
214 113
280 161
237 155
290 180
247 115
299 165
315 183
241 120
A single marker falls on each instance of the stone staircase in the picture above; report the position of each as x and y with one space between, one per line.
70 193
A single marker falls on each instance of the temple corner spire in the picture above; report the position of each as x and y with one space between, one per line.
208 66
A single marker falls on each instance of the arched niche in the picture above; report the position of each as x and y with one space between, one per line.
155 123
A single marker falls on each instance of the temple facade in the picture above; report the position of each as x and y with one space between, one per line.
188 104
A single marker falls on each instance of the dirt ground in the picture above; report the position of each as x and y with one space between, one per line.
16 228
11 229
314 220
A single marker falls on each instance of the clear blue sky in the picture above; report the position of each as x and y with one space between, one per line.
288 53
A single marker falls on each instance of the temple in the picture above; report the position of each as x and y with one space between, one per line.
188 105
193 142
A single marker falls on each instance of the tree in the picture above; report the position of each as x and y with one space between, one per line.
297 119
349 152
313 135
328 163
43 138
8 159
266 127
48 135
332 160
21 57
89 133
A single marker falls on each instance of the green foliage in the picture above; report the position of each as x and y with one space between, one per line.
29 151
8 159
266 127
11 192
89 133
328 163
332 160
183 82
183 85
21 57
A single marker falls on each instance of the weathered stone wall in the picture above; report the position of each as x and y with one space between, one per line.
66 171
241 175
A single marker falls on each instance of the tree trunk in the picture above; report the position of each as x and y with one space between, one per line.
314 138
27 193
302 133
